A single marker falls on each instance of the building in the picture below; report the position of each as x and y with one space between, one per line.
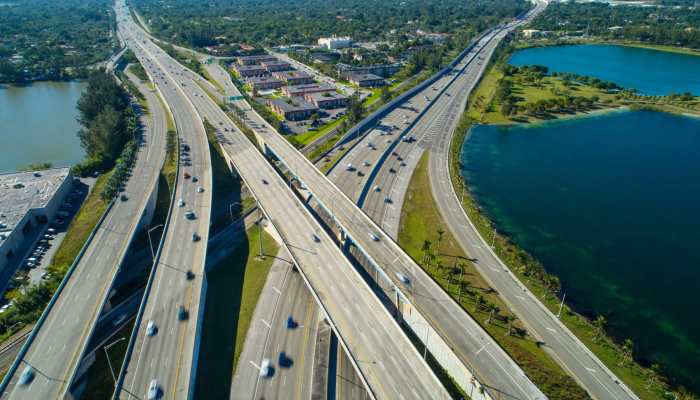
293 109
300 90
334 42
531 33
250 70
294 77
277 65
365 80
264 83
257 59
28 201
383 70
327 100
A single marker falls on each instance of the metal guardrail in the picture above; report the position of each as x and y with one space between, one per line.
25 347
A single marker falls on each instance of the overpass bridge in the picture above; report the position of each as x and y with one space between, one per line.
379 348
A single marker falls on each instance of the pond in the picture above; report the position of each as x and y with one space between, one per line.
651 72
611 205
38 124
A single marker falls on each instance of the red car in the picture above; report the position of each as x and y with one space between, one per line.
187 176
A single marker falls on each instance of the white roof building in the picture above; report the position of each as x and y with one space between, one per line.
334 42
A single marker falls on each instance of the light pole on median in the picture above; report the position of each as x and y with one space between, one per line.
105 348
260 227
153 254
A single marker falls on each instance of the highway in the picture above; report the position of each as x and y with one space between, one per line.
433 132
169 357
376 342
461 333
60 341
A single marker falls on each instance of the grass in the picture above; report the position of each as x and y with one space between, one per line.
309 136
80 228
420 221
100 384
235 285
610 353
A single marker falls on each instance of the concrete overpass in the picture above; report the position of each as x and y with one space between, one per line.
380 354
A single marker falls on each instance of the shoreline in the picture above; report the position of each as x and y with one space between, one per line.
600 41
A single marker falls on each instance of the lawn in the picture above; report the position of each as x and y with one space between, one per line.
421 221
234 286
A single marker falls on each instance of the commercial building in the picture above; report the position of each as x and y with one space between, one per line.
300 90
365 80
257 59
276 65
327 100
294 77
334 42
293 109
250 70
28 201
383 70
264 82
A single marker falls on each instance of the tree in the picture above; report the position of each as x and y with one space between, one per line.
440 232
355 109
386 95
627 351
426 250
599 324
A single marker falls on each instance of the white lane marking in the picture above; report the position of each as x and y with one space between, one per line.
266 324
551 329
591 370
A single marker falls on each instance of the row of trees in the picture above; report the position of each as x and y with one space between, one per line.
108 122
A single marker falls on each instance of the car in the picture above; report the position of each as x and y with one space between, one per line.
51 231
27 376
374 236
151 328
315 237
403 163
399 158
4 308
388 200
200 189
195 237
366 163
403 278
189 215
181 313
349 167
265 368
181 203
153 388
291 324
377 189
360 173
30 264
392 171
264 181
187 175
194 179
189 275
395 154
123 197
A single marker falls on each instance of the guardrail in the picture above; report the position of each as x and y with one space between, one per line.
149 284
25 347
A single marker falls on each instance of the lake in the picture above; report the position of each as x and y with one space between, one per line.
38 124
651 72
611 205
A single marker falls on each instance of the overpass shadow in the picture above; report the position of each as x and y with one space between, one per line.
219 328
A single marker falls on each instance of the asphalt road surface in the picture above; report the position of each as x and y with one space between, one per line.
56 351
378 352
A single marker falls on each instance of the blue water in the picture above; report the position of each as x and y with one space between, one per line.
37 124
651 72
611 205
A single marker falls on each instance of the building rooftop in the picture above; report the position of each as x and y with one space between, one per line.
364 77
320 96
256 58
310 87
291 74
274 62
293 104
23 191
249 68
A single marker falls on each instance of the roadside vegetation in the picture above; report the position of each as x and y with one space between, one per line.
53 40
424 235
484 106
235 285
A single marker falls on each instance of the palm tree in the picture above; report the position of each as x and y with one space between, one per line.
510 319
599 323
627 351
652 374
426 249
493 310
440 232
479 302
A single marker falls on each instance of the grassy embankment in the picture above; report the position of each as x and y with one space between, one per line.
235 285
420 222
645 382
527 93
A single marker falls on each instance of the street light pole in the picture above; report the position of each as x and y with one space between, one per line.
153 255
105 348
260 254
561 305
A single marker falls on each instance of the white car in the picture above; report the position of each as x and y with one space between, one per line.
403 278
181 203
153 390
265 368
374 237
200 189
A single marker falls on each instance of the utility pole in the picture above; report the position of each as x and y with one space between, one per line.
108 360
153 255
260 227
561 306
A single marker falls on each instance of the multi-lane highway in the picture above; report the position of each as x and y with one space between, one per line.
433 132
56 351
172 302
379 348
